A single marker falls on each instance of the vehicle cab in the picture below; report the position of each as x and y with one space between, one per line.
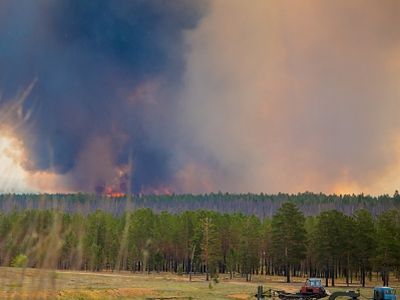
384 293
312 286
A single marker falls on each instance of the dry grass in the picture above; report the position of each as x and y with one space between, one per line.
238 296
47 284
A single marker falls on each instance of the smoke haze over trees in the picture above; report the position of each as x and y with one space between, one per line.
260 205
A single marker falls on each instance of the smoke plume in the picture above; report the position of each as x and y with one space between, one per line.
189 96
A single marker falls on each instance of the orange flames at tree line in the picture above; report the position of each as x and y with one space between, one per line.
111 193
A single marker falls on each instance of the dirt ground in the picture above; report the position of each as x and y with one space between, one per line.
18 283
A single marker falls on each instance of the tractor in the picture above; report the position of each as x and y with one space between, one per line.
313 287
311 290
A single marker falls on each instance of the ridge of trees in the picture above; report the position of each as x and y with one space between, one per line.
331 244
261 205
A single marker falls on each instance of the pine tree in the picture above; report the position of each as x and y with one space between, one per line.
334 242
288 237
365 241
388 243
210 247
250 245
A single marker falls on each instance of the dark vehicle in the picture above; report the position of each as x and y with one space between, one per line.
384 293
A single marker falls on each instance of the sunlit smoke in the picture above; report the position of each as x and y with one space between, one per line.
295 96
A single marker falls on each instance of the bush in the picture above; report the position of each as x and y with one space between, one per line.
19 261
180 269
216 279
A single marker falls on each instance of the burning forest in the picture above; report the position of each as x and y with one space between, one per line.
178 149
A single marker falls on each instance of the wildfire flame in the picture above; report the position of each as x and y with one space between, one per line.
111 193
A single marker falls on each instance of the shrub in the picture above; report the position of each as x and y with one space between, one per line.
19 261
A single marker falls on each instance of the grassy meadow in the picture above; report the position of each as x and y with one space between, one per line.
19 283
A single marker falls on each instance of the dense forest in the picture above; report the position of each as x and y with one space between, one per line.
260 205
331 244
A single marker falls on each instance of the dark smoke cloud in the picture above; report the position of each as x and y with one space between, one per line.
104 73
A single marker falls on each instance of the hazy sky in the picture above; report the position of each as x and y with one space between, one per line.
200 96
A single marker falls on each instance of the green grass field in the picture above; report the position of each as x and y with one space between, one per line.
18 283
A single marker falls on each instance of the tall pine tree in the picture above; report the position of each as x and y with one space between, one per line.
288 237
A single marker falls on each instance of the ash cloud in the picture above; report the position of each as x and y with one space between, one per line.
105 75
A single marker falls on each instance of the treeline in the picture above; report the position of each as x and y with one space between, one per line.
260 205
329 245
